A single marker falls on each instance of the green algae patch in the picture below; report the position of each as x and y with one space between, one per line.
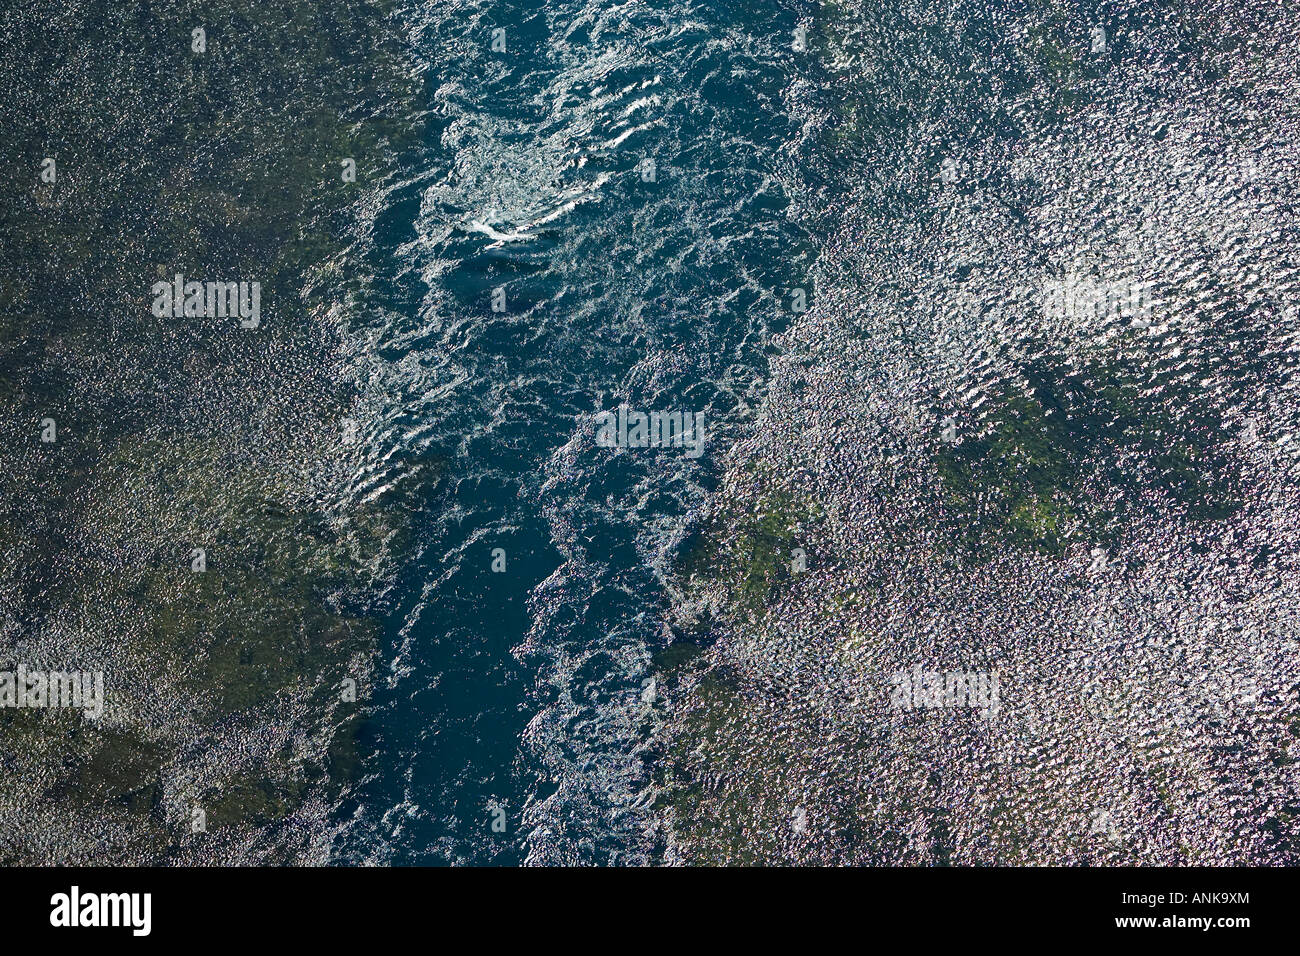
117 766
741 560
751 549
252 800
1015 482
733 785
1068 456
713 742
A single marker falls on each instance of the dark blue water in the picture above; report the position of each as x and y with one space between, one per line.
528 690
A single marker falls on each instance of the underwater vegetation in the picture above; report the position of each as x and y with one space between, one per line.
184 530
1075 453
749 549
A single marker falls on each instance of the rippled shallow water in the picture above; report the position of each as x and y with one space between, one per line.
1033 426
1037 429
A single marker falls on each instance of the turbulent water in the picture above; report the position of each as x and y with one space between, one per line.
987 309
527 689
